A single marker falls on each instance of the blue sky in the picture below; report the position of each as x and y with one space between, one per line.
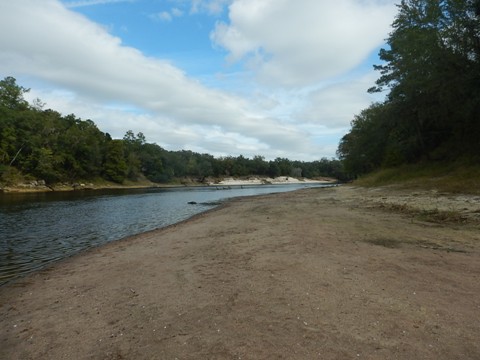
157 28
278 78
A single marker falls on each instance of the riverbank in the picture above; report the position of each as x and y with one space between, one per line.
41 186
320 273
280 180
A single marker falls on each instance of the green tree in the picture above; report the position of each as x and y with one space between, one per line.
431 71
116 168
12 107
45 165
273 169
364 147
240 166
205 165
259 165
284 166
11 94
152 164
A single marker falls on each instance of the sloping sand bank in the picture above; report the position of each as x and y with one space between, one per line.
315 274
281 180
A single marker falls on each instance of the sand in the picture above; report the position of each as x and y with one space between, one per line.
338 273
280 180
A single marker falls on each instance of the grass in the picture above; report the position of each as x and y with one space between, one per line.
437 216
433 216
395 244
451 178
385 242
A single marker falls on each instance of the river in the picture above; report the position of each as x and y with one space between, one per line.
41 228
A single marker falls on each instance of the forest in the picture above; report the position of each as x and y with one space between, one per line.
45 145
431 77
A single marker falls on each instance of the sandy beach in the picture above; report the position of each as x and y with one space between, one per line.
281 180
333 273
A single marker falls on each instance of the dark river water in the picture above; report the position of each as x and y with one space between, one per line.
38 229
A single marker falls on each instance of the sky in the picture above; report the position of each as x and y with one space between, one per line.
275 78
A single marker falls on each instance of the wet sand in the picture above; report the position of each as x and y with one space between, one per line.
337 273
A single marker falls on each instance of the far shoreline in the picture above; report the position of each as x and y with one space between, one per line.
38 186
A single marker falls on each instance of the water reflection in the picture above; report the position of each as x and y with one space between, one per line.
38 229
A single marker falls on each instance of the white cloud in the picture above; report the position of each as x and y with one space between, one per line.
292 43
212 7
162 16
335 105
82 3
177 12
166 16
68 51
77 66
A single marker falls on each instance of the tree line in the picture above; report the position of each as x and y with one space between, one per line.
431 74
43 144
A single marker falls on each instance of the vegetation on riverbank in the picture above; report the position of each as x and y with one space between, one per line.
429 122
46 146
449 177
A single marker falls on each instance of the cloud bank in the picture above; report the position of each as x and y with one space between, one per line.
291 46
292 43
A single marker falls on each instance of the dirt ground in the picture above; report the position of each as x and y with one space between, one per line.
338 273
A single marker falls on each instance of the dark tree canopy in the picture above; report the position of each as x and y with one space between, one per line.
431 72
11 95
